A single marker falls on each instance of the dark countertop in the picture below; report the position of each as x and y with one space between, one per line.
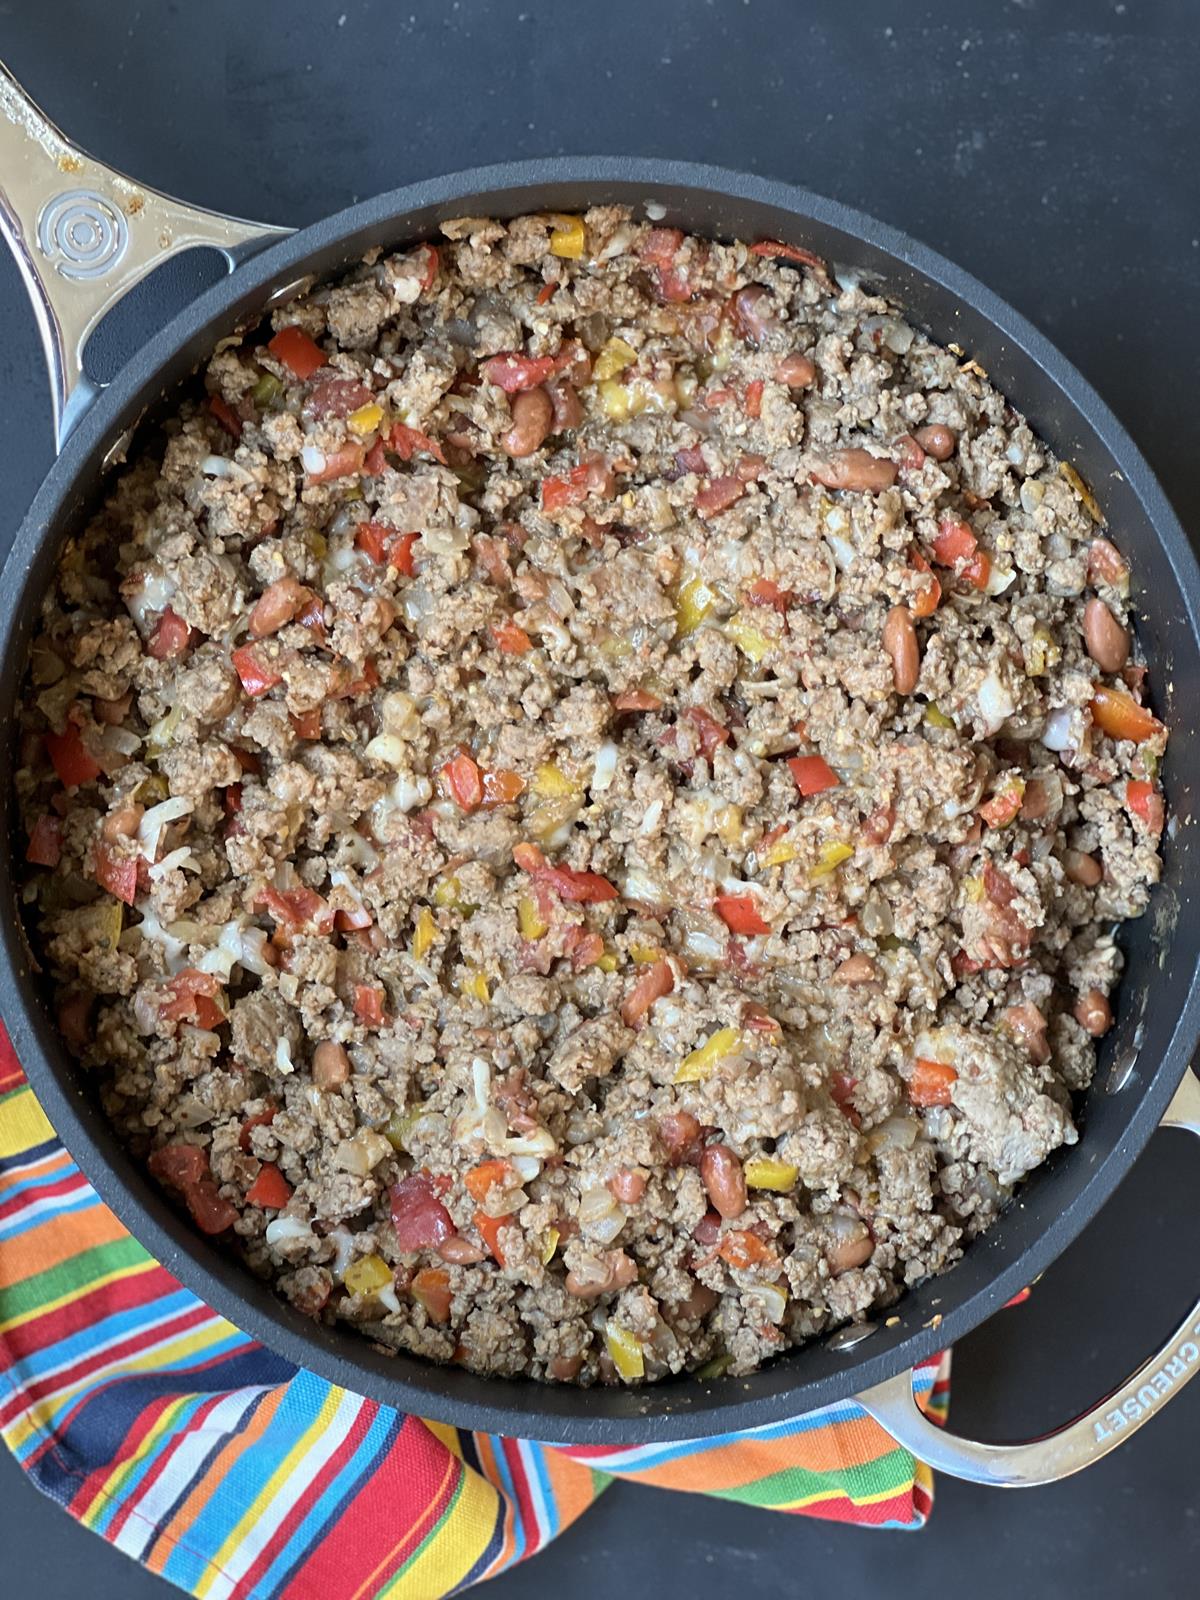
1050 146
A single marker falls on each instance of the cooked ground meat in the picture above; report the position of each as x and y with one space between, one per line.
578 799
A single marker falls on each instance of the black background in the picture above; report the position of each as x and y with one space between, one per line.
1051 147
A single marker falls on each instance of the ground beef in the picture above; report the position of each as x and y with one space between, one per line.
578 799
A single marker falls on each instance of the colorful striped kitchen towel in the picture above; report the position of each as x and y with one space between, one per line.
235 1475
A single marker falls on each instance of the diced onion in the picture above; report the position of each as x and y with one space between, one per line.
527 1168
650 821
995 702
1057 733
844 553
897 1133
150 828
538 1143
172 946
180 858
444 541
313 460
387 1297
149 599
999 579
285 1230
773 1298
641 885
283 1056
605 768
388 748
704 947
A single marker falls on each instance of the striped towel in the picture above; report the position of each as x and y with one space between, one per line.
222 1467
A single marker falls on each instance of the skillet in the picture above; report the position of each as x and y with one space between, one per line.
83 235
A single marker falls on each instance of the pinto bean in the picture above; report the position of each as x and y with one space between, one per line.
568 408
850 1250
1093 1013
856 969
1106 564
1082 868
797 371
460 1252
937 440
617 1271
278 603
1107 641
627 1186
855 469
1028 1026
723 1178
752 313
122 824
679 1132
699 1303
565 1369
330 1065
900 642
112 712
532 420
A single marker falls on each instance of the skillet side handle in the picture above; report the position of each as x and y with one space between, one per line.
83 235
1077 1444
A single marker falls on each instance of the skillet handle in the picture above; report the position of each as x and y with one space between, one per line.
1077 1444
83 235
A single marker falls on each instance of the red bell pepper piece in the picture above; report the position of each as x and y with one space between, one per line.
740 914
270 1189
408 442
117 874
45 841
368 1005
813 774
464 781
72 762
225 415
256 678
301 355
294 908
931 1084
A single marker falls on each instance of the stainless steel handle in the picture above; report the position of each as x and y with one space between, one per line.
84 234
1079 1443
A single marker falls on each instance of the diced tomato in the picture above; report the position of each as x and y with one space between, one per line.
977 569
997 885
299 354
211 1212
1145 801
752 404
656 981
711 733
420 1219
179 1165
256 678
748 467
270 1189
691 459
813 774
352 921
954 542
171 639
1113 711
926 601
353 687
71 760
408 442
430 1287
225 415
479 1180
931 1084
587 888
743 1249
312 617
45 841
586 951
307 724
763 592
740 914
718 494
343 462
489 1232
775 249
1002 807
117 874
432 261
759 1021
660 246
841 1091
190 996
294 908
375 460
368 1005
513 372
593 475
511 639
546 293
464 781
716 398
374 538
337 397
502 786
259 1119
636 700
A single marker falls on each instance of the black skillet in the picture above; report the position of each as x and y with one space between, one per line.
83 234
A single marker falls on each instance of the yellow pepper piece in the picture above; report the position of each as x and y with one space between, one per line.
163 732
625 1348
552 783
476 987
615 647
400 1125
152 789
607 962
352 492
973 890
368 1275
729 824
693 603
1043 653
544 821
782 850
750 640
701 1063
549 1245
445 892
426 934
644 955
937 718
1090 504
529 919
830 860
764 1172
366 419
620 401
614 358
568 238
319 545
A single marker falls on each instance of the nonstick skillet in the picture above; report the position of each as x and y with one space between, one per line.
83 235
